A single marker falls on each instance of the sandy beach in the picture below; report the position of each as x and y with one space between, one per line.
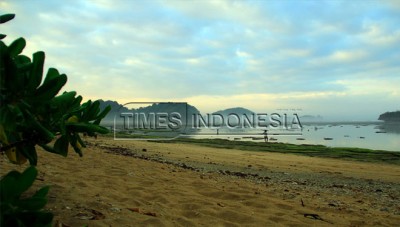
140 183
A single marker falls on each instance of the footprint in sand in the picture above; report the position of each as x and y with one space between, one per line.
116 172
276 219
190 206
284 206
184 222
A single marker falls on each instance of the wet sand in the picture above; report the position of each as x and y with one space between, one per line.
139 183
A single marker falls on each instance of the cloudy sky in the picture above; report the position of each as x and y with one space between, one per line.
339 59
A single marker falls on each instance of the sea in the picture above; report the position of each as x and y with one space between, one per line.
370 135
376 135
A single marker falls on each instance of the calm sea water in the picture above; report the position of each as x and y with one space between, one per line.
371 135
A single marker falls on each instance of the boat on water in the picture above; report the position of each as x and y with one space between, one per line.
328 138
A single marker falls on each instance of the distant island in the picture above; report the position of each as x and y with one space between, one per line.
167 107
235 110
156 107
115 106
311 118
390 116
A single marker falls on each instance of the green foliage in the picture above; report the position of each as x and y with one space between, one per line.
3 19
390 116
17 211
31 113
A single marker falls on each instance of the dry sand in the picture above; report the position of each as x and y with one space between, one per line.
120 184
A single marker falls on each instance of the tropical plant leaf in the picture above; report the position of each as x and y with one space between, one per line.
61 145
41 193
26 180
36 71
16 47
6 17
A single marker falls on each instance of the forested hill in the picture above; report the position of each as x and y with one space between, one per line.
237 110
390 116
153 108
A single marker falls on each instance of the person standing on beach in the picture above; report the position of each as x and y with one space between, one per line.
265 135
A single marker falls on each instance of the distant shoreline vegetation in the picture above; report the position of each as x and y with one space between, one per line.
390 116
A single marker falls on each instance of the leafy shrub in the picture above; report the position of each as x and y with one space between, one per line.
30 111
31 114
17 211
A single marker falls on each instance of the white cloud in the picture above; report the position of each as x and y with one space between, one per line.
255 53
371 86
376 34
348 56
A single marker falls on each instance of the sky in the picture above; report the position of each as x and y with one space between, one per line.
338 59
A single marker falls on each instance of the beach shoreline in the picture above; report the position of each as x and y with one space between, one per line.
144 183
